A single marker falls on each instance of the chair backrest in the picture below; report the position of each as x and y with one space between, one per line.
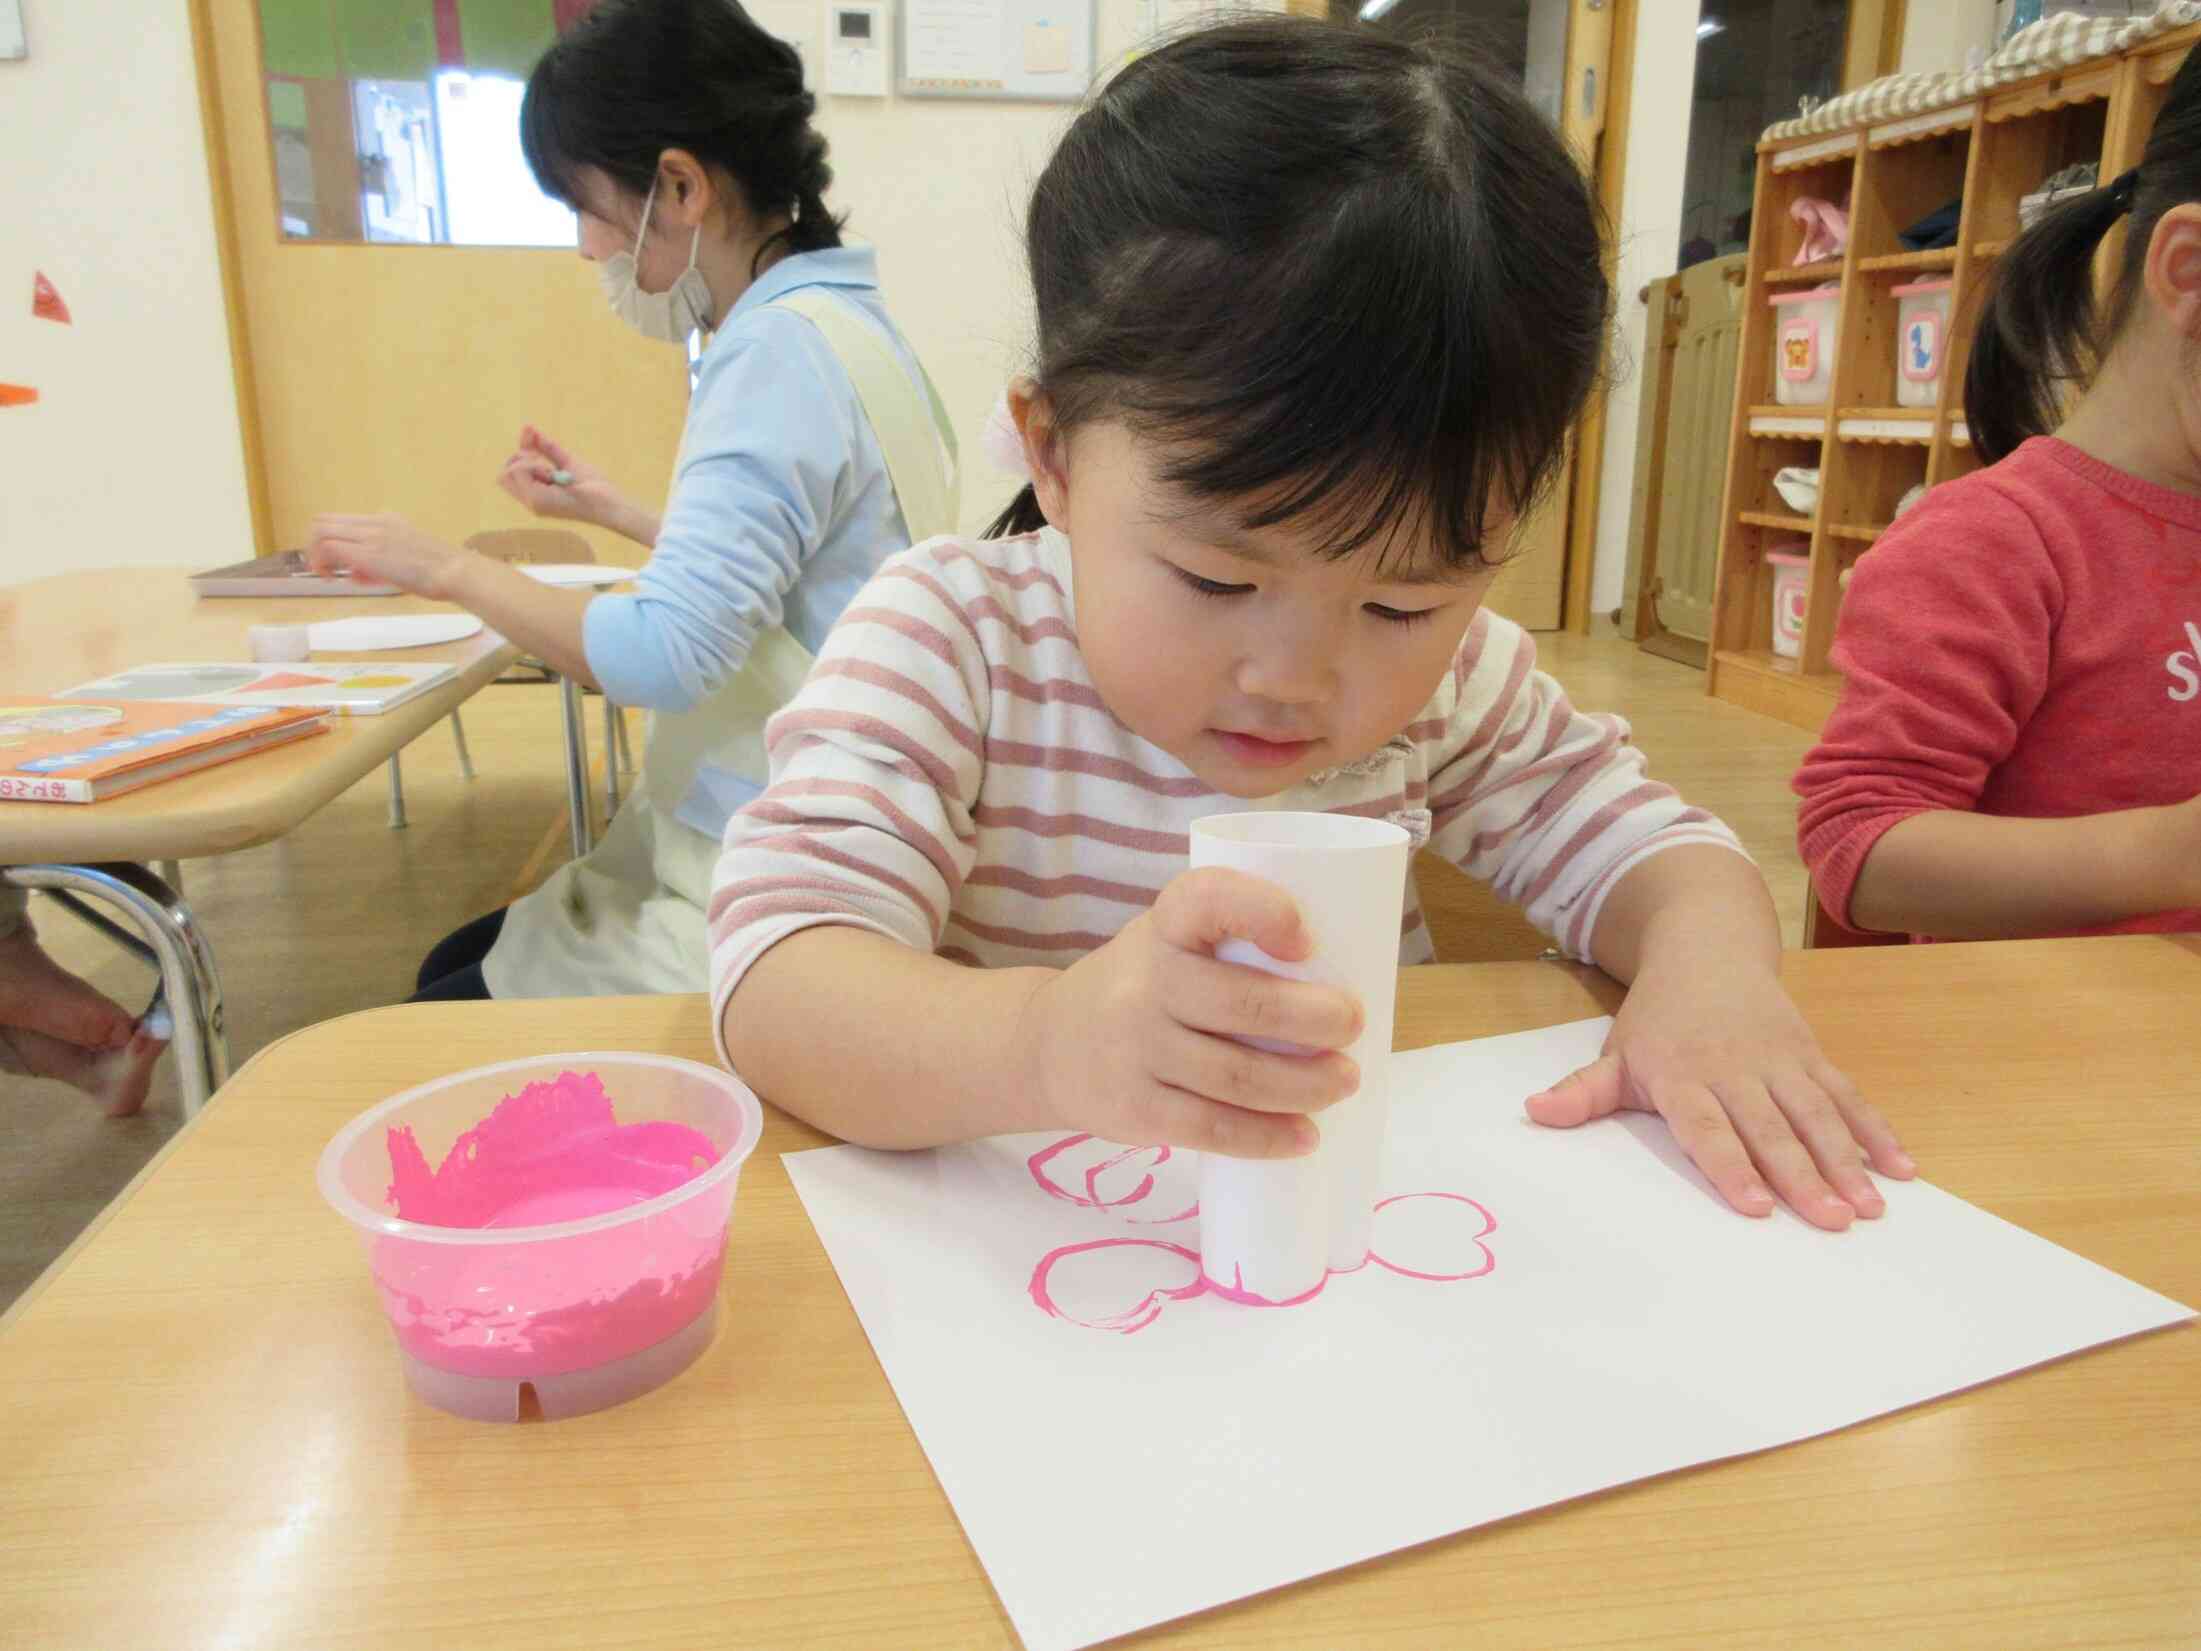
540 545
1823 930
1467 922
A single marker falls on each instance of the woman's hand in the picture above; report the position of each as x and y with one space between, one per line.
552 483
387 550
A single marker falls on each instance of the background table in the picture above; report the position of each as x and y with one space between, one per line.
76 627
204 1437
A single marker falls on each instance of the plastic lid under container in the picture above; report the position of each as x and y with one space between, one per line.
1830 290
1788 558
1941 285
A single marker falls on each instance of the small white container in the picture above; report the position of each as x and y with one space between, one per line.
1805 328
280 644
1791 583
1921 342
2032 207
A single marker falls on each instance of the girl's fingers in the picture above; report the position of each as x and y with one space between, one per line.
1705 1132
1819 1124
1870 1130
1597 1090
1234 1132
1218 1069
1784 1160
1232 1000
1201 909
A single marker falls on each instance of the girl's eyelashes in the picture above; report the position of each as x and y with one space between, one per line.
1402 616
1215 587
1208 587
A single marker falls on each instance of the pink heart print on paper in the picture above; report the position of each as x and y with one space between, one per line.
1123 1284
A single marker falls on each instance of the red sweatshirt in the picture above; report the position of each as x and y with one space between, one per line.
2026 641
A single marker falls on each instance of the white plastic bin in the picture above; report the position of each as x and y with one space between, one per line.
1805 328
1791 567
1921 342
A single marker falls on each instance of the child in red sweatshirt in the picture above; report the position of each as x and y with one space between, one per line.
2018 746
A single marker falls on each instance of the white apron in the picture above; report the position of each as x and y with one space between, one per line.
629 916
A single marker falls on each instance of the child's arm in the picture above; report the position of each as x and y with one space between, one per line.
839 882
1945 642
883 1045
1554 809
1710 1041
1964 876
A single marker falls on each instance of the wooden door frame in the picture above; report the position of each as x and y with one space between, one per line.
1873 43
1609 170
213 115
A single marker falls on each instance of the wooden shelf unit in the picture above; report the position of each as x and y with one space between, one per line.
1988 153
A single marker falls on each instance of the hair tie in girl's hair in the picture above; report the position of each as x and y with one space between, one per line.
2124 189
1003 443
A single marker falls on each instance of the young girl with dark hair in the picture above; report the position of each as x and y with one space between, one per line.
680 133
1316 308
2018 746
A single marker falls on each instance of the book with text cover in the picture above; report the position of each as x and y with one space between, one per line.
53 751
283 574
347 687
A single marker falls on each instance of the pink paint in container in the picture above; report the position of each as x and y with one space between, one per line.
571 1236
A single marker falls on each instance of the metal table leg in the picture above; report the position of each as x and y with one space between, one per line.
611 758
189 980
569 696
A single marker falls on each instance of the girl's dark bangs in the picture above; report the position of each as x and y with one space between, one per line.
1372 397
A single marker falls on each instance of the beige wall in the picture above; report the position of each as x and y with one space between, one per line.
395 377
1938 33
939 188
132 454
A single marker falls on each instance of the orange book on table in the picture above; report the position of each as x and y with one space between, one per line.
81 751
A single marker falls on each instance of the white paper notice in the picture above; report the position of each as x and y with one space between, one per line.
955 41
1546 1314
1046 48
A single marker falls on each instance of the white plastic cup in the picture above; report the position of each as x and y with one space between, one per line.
280 644
1273 1231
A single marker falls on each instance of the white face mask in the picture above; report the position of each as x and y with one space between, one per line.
668 316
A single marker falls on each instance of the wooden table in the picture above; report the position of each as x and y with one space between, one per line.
76 627
206 1440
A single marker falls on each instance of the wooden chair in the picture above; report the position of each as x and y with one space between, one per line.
549 547
1467 922
1823 930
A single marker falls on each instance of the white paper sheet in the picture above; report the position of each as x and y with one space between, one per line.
1565 1312
575 575
955 41
373 635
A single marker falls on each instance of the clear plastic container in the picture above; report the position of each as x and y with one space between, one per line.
1921 342
1791 584
588 1313
1806 328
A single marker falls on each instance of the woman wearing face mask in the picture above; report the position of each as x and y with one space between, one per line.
814 449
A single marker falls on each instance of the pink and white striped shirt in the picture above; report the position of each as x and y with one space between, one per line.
949 777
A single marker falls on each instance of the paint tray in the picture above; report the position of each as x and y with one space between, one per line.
567 1245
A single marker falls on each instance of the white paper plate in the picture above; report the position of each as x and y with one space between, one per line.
417 630
576 573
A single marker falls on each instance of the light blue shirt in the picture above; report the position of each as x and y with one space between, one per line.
781 505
